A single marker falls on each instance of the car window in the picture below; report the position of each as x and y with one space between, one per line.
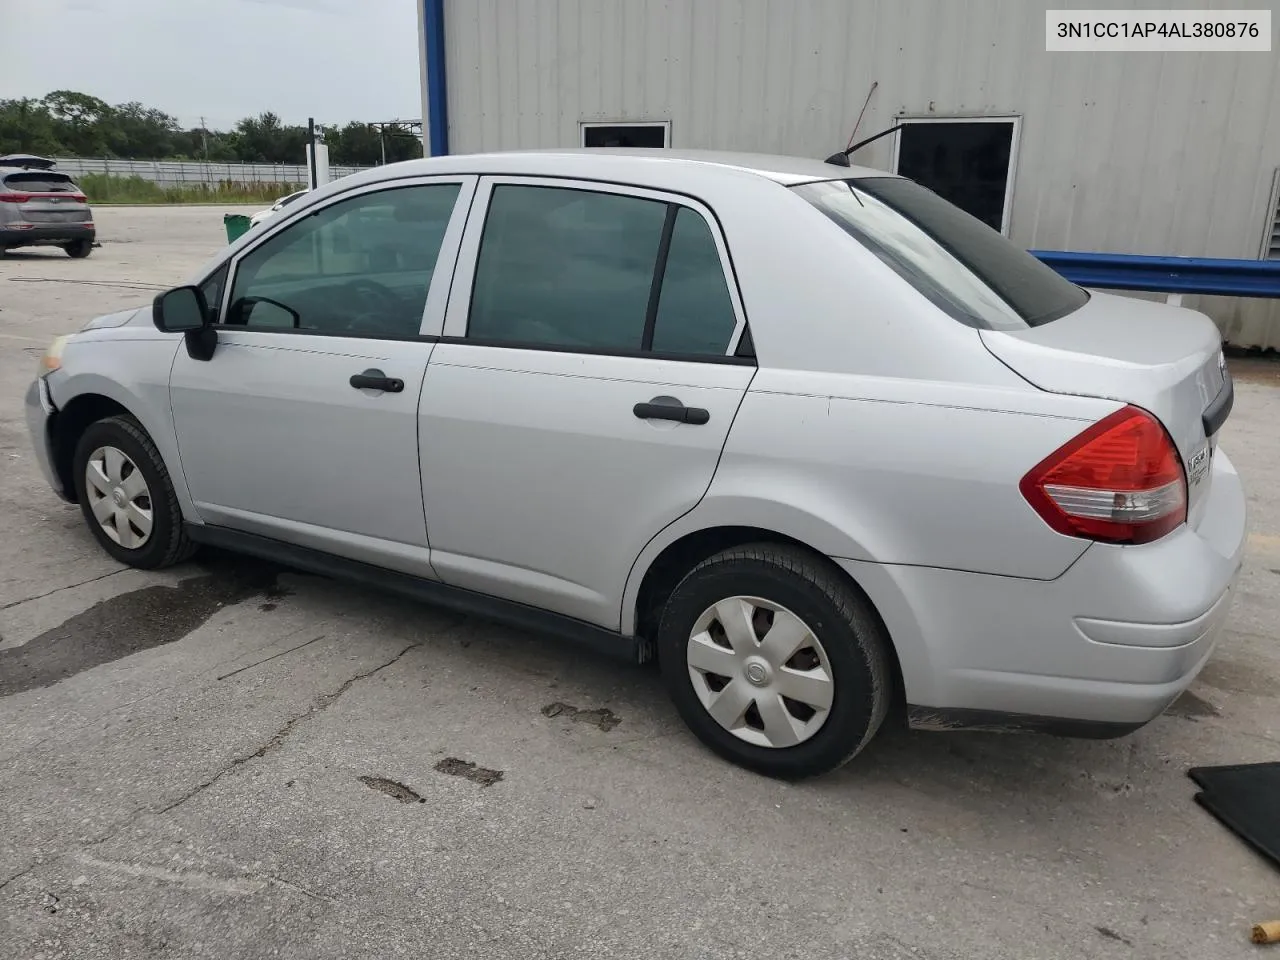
967 269
212 290
695 312
361 266
40 182
572 268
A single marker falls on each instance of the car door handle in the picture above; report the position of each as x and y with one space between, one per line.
669 408
376 380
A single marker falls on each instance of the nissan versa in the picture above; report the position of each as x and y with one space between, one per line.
808 434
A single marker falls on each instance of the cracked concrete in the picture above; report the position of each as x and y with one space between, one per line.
277 739
203 796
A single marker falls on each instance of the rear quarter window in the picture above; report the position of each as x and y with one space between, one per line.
967 269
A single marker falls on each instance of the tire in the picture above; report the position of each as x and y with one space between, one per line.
121 532
844 642
79 249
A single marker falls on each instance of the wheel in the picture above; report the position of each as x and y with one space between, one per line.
79 249
775 661
127 497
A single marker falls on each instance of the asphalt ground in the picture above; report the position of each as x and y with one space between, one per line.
231 760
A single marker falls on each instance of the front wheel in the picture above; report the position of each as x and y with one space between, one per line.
79 249
127 496
775 661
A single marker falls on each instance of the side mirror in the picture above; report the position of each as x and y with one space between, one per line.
180 310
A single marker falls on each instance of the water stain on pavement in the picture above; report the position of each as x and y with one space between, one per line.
132 622
601 717
393 789
1190 707
469 771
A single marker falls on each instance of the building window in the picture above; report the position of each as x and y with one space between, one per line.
1271 231
970 161
650 133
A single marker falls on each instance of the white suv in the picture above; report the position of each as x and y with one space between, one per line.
808 434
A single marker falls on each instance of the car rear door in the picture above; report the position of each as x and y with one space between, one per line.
303 425
583 391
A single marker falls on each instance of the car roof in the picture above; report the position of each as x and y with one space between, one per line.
607 161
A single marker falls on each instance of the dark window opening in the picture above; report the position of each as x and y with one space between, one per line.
40 182
966 163
622 135
583 270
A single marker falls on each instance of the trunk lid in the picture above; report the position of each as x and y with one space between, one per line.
45 197
1165 359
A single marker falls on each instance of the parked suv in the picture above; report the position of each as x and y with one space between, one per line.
39 207
810 435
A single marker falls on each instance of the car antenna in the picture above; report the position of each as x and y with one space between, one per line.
841 159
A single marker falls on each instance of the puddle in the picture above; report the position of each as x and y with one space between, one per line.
394 789
601 717
469 771
132 622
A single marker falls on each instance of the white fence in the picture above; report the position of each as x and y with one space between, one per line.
175 172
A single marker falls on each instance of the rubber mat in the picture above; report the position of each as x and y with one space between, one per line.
1246 798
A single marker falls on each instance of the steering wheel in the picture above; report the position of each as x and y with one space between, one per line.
377 307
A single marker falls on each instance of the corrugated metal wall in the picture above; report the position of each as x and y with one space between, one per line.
1121 152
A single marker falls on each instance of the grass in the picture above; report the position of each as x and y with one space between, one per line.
102 188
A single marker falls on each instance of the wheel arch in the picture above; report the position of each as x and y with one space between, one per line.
84 399
671 555
69 425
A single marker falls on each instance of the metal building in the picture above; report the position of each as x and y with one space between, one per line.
1138 152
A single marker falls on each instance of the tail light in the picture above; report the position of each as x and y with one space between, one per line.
24 197
1120 481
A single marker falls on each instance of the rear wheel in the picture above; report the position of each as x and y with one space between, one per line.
775 661
79 249
127 497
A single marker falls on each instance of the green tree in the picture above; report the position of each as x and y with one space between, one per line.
71 123
26 126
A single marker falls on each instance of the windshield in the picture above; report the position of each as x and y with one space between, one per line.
960 264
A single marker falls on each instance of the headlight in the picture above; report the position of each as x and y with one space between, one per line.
52 358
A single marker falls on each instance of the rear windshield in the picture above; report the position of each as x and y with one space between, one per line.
970 271
42 182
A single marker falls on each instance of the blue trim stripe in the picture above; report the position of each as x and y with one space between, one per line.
1118 271
437 79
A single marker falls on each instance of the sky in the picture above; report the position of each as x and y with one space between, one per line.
335 60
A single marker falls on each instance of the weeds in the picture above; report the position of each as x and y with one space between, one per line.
103 188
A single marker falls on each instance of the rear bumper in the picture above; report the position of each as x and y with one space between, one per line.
43 234
1102 649
40 411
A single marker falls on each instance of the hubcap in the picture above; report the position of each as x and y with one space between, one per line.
760 672
118 497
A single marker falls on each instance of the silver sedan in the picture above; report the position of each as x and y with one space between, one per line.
808 435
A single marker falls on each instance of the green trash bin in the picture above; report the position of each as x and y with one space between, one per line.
236 224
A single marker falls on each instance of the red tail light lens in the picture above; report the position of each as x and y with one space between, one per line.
1120 481
14 197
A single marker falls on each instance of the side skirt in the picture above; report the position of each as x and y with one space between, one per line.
468 602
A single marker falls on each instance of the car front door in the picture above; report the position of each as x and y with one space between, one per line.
583 391
303 425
